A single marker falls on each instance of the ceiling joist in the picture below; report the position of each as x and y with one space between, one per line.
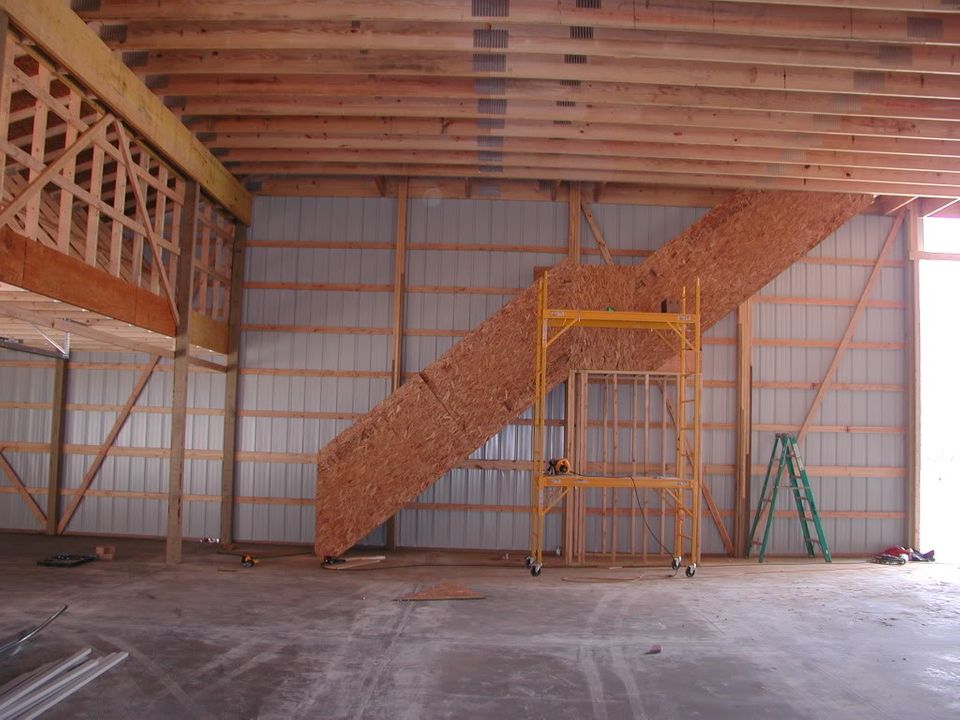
855 96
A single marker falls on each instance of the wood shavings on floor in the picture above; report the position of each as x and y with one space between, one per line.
443 591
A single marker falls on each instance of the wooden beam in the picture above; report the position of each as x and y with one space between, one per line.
54 472
231 387
22 490
399 275
360 186
568 530
703 175
303 162
893 204
929 207
862 21
597 234
691 128
176 34
253 147
647 71
744 419
181 372
550 115
573 222
851 326
103 450
396 343
65 37
205 332
32 266
520 90
912 378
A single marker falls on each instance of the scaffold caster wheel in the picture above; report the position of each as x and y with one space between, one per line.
527 561
535 569
691 570
675 563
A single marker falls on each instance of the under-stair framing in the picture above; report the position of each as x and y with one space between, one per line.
553 483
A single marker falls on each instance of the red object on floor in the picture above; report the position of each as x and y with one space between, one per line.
896 550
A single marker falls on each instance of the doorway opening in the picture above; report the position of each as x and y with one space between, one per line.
939 291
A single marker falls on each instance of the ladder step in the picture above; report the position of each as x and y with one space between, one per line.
795 480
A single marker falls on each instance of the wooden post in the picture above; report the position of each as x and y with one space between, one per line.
582 423
912 380
569 451
231 383
183 296
56 443
741 514
573 223
399 282
597 234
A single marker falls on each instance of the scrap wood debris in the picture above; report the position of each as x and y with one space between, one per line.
443 591
351 563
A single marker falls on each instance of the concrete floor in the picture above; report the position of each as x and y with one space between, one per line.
288 639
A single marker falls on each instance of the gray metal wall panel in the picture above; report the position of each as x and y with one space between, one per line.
24 378
283 369
291 407
860 239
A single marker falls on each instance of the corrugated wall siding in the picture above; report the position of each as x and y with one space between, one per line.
858 473
315 355
26 389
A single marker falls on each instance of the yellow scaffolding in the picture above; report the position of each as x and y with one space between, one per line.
548 488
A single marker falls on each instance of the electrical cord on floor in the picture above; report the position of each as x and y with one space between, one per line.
643 517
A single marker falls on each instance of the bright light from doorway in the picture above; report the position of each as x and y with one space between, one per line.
940 391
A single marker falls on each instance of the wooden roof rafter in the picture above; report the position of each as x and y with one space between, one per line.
858 96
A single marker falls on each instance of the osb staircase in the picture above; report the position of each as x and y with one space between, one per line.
436 419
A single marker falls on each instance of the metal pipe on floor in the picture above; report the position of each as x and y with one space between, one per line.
104 664
30 687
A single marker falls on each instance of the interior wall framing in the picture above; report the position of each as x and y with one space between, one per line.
315 354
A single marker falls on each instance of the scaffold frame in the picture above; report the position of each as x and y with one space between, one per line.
682 487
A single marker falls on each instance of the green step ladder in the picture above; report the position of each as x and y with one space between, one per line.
799 484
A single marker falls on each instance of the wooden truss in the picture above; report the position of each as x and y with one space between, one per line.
107 209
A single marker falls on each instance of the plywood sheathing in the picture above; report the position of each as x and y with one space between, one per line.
443 591
387 457
735 250
486 380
